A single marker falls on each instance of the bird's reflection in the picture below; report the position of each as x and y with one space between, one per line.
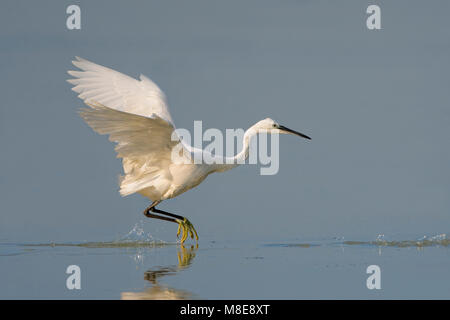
160 291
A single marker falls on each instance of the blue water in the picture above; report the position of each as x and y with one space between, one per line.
375 102
143 268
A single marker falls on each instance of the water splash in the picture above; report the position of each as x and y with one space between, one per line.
135 238
439 237
425 241
380 241
137 234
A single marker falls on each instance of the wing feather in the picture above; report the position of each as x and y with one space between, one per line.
118 91
134 114
135 135
145 144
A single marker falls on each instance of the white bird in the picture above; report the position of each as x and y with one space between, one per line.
135 115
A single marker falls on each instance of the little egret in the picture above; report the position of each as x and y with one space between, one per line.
135 115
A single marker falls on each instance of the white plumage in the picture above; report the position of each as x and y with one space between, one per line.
135 115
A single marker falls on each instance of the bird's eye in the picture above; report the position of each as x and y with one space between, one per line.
274 125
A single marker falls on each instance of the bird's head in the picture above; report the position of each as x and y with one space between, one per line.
270 126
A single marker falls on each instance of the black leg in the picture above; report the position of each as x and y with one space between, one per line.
149 215
183 223
167 214
152 208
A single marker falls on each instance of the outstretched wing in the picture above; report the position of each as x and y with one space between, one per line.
135 115
118 91
145 144
135 135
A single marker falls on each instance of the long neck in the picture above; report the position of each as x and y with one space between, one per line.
232 162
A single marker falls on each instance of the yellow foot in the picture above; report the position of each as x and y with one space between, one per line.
188 229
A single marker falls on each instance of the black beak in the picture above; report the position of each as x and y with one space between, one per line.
294 132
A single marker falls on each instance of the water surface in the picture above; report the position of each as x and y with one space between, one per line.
152 269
